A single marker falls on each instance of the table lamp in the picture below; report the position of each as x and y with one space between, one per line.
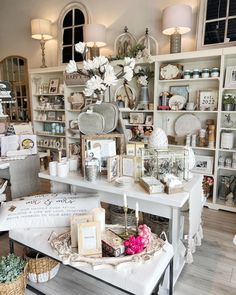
41 30
94 37
176 21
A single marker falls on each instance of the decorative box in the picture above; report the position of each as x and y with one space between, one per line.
112 244
151 184
75 79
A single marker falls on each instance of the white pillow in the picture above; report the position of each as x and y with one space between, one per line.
51 210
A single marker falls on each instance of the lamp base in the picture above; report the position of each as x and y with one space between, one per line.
94 51
175 43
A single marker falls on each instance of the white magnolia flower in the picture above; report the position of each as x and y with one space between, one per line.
143 80
95 83
88 65
109 76
137 69
71 67
130 62
128 73
80 47
88 92
99 61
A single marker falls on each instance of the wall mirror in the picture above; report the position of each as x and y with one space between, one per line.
15 70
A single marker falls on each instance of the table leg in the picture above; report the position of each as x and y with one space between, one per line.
11 246
171 270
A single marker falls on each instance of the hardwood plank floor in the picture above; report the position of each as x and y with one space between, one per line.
212 273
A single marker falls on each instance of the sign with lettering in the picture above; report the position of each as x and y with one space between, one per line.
208 100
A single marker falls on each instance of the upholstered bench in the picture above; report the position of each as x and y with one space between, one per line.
138 279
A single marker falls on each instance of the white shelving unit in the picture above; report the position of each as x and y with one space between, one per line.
165 119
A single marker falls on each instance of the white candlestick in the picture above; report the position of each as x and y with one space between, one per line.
137 211
125 200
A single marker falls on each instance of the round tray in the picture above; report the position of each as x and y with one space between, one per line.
187 124
61 243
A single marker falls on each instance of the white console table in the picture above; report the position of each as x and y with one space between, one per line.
162 204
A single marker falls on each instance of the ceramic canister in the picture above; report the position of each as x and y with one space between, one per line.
53 168
227 140
62 169
73 164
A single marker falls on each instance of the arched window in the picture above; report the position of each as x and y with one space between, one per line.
71 22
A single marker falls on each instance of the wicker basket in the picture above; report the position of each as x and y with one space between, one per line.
156 223
16 287
40 269
117 216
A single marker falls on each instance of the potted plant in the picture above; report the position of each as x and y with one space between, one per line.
228 102
13 275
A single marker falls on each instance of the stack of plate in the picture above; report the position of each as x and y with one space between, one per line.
124 181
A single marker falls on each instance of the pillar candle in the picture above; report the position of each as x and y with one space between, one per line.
99 215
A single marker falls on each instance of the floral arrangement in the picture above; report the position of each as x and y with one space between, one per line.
136 244
207 185
144 75
100 72
11 267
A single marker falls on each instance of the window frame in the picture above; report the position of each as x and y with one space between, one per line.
65 10
201 23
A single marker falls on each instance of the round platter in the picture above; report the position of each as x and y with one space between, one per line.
177 102
187 124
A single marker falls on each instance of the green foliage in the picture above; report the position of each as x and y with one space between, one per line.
228 99
133 52
11 267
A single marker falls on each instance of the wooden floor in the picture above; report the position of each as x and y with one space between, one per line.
212 273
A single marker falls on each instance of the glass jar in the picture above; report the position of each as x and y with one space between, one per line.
202 137
215 72
205 73
196 73
221 161
187 74
228 162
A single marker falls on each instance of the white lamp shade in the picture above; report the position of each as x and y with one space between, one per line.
176 17
94 35
41 29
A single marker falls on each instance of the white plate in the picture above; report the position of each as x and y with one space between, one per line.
177 102
187 124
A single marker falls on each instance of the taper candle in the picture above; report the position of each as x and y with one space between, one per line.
125 200
137 211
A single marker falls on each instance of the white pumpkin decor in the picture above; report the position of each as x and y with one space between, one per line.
158 139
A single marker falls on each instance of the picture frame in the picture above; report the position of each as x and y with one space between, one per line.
53 86
130 149
113 168
203 165
128 166
136 118
149 120
182 90
89 239
74 221
51 116
208 100
230 77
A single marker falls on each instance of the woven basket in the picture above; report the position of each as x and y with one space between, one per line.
156 223
117 216
40 269
16 287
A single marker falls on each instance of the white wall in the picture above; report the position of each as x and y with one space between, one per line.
15 16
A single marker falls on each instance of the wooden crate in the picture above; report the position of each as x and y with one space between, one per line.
119 138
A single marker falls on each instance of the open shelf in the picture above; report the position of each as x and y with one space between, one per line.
191 80
49 110
50 135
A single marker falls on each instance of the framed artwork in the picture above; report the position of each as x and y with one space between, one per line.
130 149
182 90
203 165
128 166
136 118
208 100
230 77
149 120
113 168
53 85
51 116
89 239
